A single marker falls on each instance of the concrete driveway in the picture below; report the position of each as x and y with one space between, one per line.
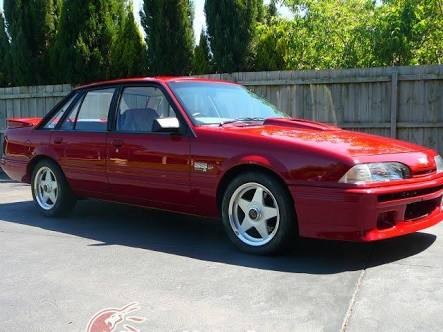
56 274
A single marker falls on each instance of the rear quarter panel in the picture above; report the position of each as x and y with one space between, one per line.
22 145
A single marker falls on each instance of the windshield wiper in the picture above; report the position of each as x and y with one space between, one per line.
242 120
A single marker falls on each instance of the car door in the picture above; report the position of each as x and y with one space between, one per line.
80 141
144 166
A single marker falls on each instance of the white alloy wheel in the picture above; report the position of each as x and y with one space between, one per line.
254 214
46 188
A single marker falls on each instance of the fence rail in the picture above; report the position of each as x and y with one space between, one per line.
403 102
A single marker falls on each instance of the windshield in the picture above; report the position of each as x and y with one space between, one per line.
218 103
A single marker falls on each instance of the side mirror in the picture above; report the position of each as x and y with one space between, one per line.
166 125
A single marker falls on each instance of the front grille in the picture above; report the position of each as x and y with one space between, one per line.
408 194
421 209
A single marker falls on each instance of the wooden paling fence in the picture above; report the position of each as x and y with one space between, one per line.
403 102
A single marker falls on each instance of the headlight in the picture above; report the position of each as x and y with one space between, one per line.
439 163
375 172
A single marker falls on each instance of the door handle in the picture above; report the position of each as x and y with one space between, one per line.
58 140
117 143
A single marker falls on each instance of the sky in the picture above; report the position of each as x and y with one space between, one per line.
199 14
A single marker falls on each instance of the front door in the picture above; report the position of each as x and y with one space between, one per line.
80 142
145 166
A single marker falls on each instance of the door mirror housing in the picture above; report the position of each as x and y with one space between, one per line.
166 125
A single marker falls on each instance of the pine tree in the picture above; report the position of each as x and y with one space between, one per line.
202 56
231 25
32 27
128 52
169 35
4 53
83 43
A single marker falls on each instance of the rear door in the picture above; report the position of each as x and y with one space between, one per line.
144 166
80 141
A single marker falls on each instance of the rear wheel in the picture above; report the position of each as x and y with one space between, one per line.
50 190
258 213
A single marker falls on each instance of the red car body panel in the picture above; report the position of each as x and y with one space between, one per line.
160 171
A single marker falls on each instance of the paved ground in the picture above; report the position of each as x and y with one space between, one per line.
185 275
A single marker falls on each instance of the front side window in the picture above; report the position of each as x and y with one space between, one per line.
91 112
139 107
215 103
59 114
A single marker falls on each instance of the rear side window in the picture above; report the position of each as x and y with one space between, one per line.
91 113
59 114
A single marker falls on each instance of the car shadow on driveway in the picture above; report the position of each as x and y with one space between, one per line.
113 224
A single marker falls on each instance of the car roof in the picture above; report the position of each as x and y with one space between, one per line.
156 79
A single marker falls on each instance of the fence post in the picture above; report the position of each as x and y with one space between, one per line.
394 103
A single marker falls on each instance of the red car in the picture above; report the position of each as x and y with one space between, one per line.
212 148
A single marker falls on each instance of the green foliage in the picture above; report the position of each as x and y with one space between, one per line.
408 32
352 33
83 43
231 25
323 31
41 42
169 35
271 10
430 28
272 44
32 26
128 51
4 53
398 32
202 56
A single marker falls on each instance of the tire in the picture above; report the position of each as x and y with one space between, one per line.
258 228
50 190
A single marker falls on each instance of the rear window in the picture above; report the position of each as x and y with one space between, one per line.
51 123
91 112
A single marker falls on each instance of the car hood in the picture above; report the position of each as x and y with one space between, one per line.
319 136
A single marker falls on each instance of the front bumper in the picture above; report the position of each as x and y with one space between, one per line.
368 214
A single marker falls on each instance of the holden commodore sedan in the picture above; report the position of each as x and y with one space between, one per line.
214 149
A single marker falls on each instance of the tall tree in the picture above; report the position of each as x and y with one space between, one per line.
408 32
169 35
363 33
83 43
4 53
32 27
323 30
272 44
202 56
231 25
128 52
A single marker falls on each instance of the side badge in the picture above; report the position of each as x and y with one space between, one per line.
200 166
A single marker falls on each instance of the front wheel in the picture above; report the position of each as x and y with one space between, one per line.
258 213
50 190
